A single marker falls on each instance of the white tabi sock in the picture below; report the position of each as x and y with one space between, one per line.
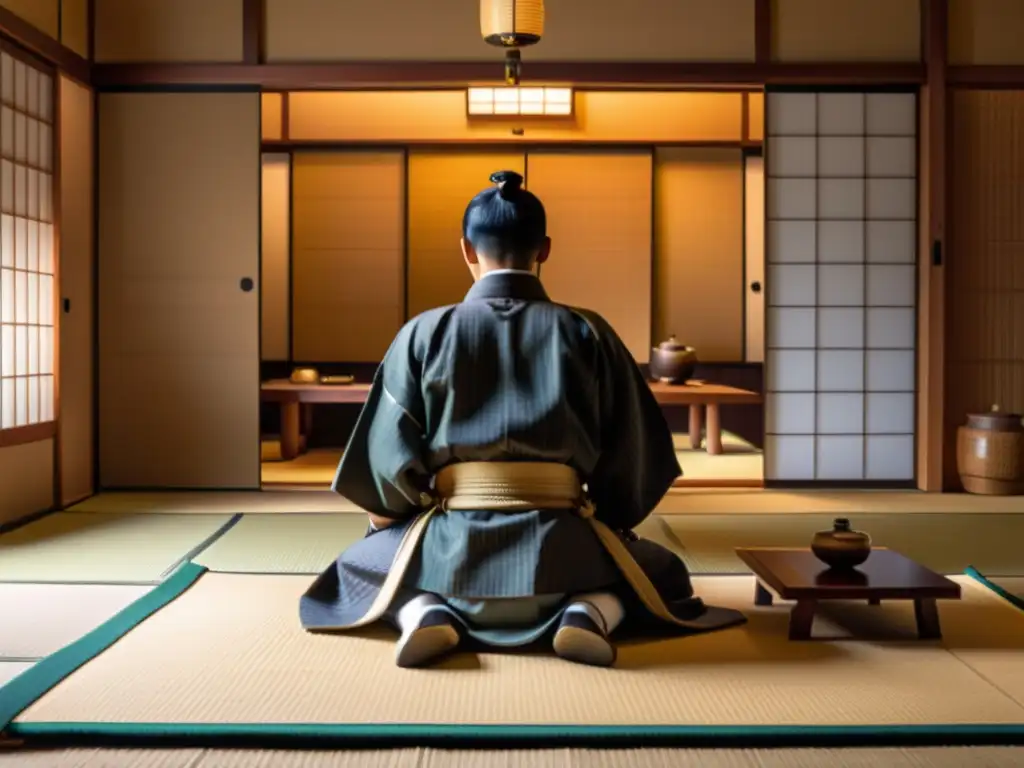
423 641
411 614
603 608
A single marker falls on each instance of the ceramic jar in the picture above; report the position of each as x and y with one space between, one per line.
842 547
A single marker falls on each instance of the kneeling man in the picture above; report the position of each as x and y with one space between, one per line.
508 447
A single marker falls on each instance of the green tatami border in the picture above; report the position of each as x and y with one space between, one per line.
467 736
36 681
1015 600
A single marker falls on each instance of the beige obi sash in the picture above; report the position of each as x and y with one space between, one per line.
510 486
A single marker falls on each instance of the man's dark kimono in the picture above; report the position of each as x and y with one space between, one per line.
507 375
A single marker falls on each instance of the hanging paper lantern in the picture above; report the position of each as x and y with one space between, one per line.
512 23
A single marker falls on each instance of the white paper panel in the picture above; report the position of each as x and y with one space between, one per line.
841 286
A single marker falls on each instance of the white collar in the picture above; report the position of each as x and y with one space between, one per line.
508 272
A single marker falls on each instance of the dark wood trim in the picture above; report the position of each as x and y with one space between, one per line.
489 144
745 119
842 485
90 12
21 522
78 499
97 416
58 305
696 483
286 121
259 271
406 227
987 77
418 74
32 433
44 46
25 56
253 26
291 260
932 133
762 31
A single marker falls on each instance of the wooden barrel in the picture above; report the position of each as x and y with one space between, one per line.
990 453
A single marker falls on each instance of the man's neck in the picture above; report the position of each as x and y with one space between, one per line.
506 271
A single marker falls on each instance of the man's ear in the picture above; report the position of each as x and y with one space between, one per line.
545 251
471 258
468 251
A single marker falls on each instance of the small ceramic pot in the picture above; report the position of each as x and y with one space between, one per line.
842 547
672 362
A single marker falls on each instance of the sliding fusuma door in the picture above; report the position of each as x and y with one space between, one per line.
179 231
599 207
441 184
77 261
348 244
841 286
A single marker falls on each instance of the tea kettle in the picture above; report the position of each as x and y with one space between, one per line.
673 362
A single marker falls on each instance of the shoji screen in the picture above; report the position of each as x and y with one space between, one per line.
841 286
599 207
26 245
348 244
441 184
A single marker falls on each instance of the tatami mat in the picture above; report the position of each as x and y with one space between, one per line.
240 656
283 543
947 543
10 670
925 757
316 467
995 650
220 502
739 460
309 543
42 618
73 548
1014 585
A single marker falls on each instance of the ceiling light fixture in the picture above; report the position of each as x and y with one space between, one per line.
516 101
512 24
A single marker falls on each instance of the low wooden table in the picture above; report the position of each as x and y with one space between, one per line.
703 398
297 400
796 574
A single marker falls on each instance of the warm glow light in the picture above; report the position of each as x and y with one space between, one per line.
539 101
512 22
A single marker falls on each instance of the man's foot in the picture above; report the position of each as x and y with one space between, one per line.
434 636
580 639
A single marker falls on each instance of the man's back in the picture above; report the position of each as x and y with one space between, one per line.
508 380
509 375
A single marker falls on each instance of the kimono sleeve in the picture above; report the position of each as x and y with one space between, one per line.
382 470
638 463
